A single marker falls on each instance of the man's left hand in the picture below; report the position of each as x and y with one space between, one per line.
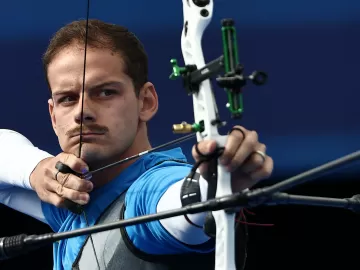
244 156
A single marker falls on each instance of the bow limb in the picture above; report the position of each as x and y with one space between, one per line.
197 16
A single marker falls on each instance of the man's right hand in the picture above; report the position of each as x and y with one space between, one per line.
54 189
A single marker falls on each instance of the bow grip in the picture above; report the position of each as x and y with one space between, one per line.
211 176
70 205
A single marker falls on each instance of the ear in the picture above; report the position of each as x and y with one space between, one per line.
52 114
148 102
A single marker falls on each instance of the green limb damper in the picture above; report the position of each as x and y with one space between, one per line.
233 80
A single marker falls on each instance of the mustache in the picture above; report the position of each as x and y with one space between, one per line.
86 129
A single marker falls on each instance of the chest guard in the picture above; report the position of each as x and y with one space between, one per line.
115 251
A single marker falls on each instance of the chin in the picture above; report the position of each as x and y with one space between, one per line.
96 156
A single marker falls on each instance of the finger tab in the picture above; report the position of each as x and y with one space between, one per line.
63 168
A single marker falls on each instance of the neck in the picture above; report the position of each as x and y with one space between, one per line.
141 143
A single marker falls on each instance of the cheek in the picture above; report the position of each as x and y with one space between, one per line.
62 123
124 118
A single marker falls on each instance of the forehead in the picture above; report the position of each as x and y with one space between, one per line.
67 67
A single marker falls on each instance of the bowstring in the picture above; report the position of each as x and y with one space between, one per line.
82 114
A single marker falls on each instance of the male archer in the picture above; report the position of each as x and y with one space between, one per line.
118 102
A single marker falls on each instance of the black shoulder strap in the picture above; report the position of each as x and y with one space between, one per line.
190 193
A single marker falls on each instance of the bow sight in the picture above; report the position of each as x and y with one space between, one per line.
232 81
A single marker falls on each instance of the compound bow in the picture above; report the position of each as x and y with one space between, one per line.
220 201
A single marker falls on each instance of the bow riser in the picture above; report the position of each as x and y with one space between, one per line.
196 20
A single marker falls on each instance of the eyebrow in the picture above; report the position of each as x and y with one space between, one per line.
97 86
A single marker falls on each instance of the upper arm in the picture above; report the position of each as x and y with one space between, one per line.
142 198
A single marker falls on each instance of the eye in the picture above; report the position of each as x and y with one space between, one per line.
66 99
107 92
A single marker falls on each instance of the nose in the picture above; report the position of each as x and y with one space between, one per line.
84 111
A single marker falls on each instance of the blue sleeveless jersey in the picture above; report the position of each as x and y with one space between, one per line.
145 180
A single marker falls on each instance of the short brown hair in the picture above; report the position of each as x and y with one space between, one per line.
103 35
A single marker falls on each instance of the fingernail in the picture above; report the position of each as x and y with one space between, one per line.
84 170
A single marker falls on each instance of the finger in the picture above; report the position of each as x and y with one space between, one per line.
70 181
66 193
75 163
203 148
255 161
233 142
54 199
264 172
247 147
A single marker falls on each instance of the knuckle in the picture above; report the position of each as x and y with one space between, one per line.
75 163
46 184
262 146
64 158
269 168
64 179
48 172
240 127
252 137
76 183
42 194
73 195
228 155
59 190
68 159
257 160
237 133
